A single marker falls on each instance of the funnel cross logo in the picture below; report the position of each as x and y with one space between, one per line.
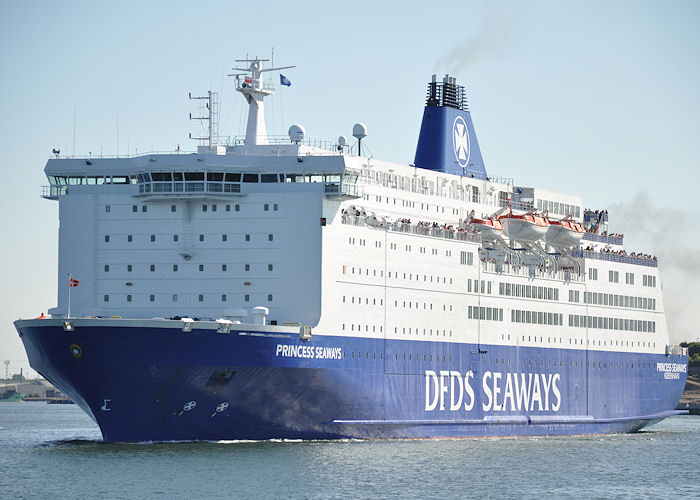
460 141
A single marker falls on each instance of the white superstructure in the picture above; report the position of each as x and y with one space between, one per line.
345 244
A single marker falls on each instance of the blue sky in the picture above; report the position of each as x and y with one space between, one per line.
595 98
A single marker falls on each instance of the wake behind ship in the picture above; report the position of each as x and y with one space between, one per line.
264 288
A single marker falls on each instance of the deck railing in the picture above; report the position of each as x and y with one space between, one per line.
613 257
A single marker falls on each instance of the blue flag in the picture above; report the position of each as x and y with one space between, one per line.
285 81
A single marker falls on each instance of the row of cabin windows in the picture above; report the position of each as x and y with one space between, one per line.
485 286
205 208
648 280
427 332
426 306
604 323
176 267
425 207
367 328
200 297
426 278
614 277
408 248
466 258
359 271
611 299
528 291
224 237
536 317
358 300
574 296
600 343
486 313
555 207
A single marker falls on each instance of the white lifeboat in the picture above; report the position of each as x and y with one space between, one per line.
526 228
490 228
564 233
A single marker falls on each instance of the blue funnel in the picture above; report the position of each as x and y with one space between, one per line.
447 141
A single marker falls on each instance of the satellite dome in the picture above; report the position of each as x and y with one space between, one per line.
359 130
296 133
342 141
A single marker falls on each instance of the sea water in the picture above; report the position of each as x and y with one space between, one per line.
56 451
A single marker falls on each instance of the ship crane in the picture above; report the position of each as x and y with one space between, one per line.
250 84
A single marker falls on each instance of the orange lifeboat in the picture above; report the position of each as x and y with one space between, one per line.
526 228
490 228
564 233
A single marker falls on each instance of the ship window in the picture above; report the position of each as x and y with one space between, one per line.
106 268
275 207
128 298
237 208
247 267
153 237
177 176
269 267
215 176
194 176
120 180
175 237
266 207
228 208
129 238
152 298
201 237
144 208
108 208
224 237
161 176
129 268
106 238
269 237
134 208
223 298
250 177
233 177
106 298
201 298
268 178
213 208
246 298
223 267
269 297
174 297
204 208
247 237
153 267
201 267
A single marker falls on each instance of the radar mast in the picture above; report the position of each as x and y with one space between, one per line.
250 84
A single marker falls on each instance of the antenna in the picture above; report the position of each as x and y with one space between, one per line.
7 375
359 131
211 108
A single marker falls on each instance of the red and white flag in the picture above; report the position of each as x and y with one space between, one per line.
73 282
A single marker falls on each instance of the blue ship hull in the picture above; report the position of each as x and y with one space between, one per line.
143 383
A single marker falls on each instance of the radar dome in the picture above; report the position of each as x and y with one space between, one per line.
342 141
359 130
296 133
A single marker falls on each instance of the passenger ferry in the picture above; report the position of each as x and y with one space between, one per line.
264 288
